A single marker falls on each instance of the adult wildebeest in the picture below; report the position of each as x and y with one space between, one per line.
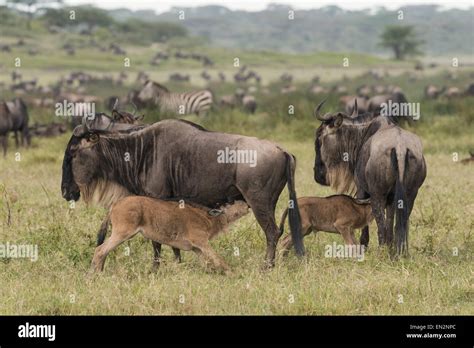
375 103
6 125
384 162
182 160
18 114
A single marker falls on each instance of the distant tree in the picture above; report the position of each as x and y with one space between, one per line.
32 6
90 16
402 40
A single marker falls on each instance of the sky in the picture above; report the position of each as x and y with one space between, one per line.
257 5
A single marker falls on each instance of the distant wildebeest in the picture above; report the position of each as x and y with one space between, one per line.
469 159
317 90
338 214
182 160
19 116
48 130
432 92
469 90
348 101
196 102
452 92
6 124
376 103
364 91
166 222
381 160
177 77
288 89
286 77
205 75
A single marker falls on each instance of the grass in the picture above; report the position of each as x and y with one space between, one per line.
431 281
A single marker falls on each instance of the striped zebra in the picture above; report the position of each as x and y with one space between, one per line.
197 102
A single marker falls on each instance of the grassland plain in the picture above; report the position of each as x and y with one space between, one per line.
437 278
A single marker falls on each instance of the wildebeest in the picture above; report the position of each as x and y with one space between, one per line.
19 117
180 159
6 124
166 222
375 103
349 104
198 102
384 162
338 214
469 159
432 92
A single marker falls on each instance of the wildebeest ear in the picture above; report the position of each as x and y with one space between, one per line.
338 120
116 115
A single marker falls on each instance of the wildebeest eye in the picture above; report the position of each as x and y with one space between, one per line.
93 137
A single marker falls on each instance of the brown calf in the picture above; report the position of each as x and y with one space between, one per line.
167 222
338 214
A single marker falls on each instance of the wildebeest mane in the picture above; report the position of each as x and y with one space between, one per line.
195 125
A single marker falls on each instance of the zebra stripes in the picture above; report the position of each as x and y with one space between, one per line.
197 102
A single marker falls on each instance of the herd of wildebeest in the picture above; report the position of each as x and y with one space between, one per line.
164 179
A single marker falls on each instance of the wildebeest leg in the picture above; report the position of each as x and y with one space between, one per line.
287 242
16 139
156 255
265 216
104 249
4 142
346 232
177 255
201 247
364 236
390 215
378 207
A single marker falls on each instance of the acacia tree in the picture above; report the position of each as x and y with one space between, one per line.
32 6
402 40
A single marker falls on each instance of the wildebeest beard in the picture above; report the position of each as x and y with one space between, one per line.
341 165
121 162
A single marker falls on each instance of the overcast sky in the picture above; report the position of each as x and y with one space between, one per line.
256 5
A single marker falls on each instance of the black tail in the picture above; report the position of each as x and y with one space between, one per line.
103 230
401 206
294 212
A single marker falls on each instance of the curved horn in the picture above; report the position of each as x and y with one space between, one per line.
134 108
84 123
318 109
355 111
115 104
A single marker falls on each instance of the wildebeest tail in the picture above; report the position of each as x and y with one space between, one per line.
103 229
400 204
294 212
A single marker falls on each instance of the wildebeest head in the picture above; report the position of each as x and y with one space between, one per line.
122 116
338 140
81 163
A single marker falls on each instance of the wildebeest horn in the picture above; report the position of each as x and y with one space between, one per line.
115 104
134 108
84 123
316 112
355 112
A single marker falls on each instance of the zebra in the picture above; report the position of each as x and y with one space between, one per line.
198 102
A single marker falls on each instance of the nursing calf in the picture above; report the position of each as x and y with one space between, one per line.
338 214
167 222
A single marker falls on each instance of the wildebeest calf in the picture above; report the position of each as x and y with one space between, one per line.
338 214
166 222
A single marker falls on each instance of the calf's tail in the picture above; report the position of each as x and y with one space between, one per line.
282 222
